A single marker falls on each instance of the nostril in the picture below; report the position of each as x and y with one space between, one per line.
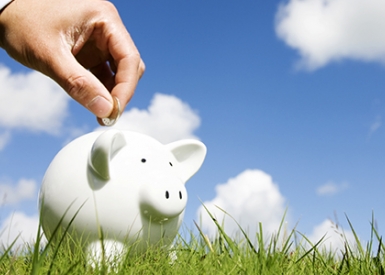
167 195
180 194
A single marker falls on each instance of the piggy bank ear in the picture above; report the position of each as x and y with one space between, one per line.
103 149
190 155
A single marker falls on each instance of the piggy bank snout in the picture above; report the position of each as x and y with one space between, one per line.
162 202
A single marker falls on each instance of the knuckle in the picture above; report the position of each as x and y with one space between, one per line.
76 87
142 68
135 58
108 7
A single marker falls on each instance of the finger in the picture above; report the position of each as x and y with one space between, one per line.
114 116
81 84
126 80
129 66
142 68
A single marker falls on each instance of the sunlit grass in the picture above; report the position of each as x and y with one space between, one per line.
283 253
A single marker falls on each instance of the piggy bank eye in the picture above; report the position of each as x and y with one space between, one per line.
170 163
143 160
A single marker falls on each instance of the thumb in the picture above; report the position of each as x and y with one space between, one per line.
81 85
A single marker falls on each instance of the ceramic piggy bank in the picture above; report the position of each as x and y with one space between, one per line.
110 189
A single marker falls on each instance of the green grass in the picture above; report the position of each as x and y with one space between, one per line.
280 254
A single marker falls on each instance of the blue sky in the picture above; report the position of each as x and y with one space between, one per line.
288 97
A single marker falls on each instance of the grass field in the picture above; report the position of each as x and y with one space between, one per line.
283 253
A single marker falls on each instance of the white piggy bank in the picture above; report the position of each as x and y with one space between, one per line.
122 187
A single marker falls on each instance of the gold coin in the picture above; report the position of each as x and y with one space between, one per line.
115 114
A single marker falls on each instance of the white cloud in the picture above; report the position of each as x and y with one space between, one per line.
4 139
250 198
18 225
167 119
334 237
72 133
329 30
31 101
330 188
23 190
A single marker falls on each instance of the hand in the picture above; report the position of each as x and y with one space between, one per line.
82 45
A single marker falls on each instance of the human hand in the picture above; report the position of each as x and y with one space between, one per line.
82 45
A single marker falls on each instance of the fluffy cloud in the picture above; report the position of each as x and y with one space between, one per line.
250 198
13 194
31 101
20 226
72 133
167 119
329 30
330 188
334 237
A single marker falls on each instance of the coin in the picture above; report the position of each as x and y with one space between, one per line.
115 114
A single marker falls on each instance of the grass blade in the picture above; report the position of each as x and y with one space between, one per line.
221 230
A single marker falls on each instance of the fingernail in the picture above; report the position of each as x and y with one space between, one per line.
114 116
100 106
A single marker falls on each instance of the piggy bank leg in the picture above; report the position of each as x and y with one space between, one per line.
107 253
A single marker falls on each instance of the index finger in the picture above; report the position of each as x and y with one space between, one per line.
129 65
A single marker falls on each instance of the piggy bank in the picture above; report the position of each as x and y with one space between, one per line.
110 189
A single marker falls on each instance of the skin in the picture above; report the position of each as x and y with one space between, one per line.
82 45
